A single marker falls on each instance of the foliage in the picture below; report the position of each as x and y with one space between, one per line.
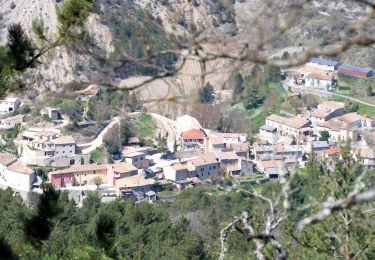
71 16
206 94
324 136
272 74
144 127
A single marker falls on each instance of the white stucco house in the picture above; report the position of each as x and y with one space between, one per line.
47 148
9 104
15 175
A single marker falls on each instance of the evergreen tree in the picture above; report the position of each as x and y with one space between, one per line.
252 97
238 86
206 95
273 74
324 136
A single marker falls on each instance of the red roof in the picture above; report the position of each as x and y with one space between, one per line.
353 72
332 151
193 134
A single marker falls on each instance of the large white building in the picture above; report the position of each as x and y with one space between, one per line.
295 126
15 175
9 104
47 148
319 81
323 64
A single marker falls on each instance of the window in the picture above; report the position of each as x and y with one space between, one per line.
202 169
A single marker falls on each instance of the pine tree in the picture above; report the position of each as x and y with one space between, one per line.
206 95
238 86
253 100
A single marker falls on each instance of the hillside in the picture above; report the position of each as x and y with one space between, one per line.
114 26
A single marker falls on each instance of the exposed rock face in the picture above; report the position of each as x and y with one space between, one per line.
65 65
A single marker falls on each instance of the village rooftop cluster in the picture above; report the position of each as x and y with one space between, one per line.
282 146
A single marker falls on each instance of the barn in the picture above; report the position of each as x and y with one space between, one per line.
355 71
323 64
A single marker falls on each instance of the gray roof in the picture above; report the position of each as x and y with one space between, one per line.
322 61
268 128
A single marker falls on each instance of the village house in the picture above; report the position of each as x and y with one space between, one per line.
241 149
91 174
9 104
193 138
15 175
271 168
176 172
319 81
357 120
366 157
326 111
298 125
134 185
47 148
317 148
331 156
288 151
12 121
338 130
138 159
134 141
204 167
324 64
268 133
229 161
262 151
51 113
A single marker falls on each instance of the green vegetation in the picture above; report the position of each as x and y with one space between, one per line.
206 94
324 136
98 156
145 127
189 227
365 110
21 53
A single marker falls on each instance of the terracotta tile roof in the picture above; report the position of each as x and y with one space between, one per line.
319 76
333 151
82 168
123 167
203 161
334 105
179 167
295 122
133 181
336 125
7 158
240 147
352 117
270 164
18 167
64 140
193 134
